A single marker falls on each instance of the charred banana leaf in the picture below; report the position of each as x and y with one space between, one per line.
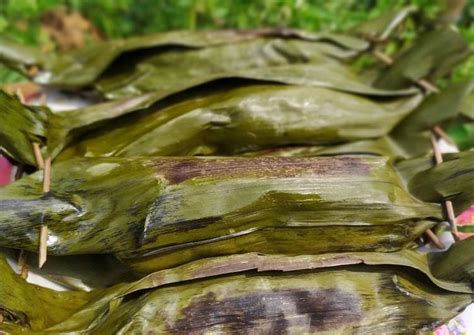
333 293
175 210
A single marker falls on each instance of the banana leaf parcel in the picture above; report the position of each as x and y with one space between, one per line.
348 293
176 61
231 121
207 53
156 213
315 231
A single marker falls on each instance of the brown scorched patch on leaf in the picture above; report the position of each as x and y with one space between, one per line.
178 171
274 312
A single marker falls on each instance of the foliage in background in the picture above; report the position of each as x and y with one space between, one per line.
20 20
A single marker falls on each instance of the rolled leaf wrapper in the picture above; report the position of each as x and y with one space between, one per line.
336 293
81 68
269 47
234 121
172 210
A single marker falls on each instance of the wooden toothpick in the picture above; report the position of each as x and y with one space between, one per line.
20 96
436 152
427 86
441 133
47 176
22 266
434 239
382 57
38 155
44 165
43 246
448 205
43 240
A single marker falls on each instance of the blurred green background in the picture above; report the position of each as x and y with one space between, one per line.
35 22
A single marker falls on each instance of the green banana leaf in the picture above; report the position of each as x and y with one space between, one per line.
218 122
467 107
83 67
456 264
232 121
314 302
247 119
462 129
30 306
20 126
281 61
438 183
433 54
174 210
365 288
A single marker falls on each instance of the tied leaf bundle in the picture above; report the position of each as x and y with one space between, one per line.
337 293
235 121
303 213
190 208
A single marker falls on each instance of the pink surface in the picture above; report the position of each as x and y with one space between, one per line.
6 170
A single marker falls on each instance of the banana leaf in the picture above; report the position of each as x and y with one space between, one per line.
456 264
433 54
20 126
371 291
228 121
462 129
259 117
30 306
232 121
411 136
83 67
467 107
174 210
247 119
295 62
438 183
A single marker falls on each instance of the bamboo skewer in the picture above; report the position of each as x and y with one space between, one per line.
38 155
43 246
448 205
452 218
45 165
436 152
430 88
43 239
441 133
22 265
434 239
47 176
382 57
20 96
